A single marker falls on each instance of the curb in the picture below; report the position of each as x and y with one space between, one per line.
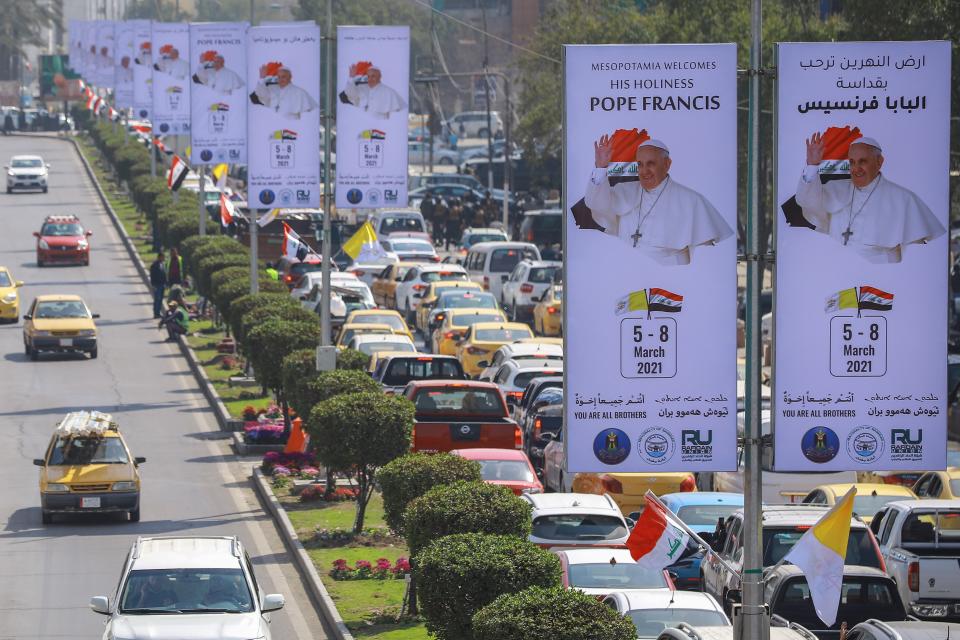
244 449
318 592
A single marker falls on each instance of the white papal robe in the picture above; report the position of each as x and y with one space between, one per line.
882 216
672 218
178 68
380 101
222 80
289 101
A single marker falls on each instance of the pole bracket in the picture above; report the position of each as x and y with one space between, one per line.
768 72
769 257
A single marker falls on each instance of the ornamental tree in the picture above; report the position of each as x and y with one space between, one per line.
556 613
460 574
352 359
250 301
359 433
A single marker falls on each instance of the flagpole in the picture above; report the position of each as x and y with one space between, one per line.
327 244
203 200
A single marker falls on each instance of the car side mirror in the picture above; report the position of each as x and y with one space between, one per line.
47 165
94 315
28 317
36 234
504 277
631 523
139 460
272 602
100 604
89 233
483 363
18 283
674 576
39 462
734 596
535 298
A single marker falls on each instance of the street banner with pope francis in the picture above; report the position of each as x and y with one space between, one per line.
373 77
124 52
218 95
103 57
283 116
862 211
171 78
142 70
650 188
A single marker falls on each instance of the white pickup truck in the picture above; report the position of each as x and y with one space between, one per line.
920 544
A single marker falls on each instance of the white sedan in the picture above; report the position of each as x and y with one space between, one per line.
418 279
530 351
527 283
315 278
410 249
370 343
602 571
654 611
27 172
513 376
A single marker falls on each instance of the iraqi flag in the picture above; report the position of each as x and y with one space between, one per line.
656 542
622 168
663 300
293 246
226 211
875 299
177 173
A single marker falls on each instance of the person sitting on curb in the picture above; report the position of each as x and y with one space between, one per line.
175 321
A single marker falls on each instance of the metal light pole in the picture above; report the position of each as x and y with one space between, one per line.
753 624
327 245
203 199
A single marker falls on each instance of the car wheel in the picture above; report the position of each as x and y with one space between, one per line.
135 515
483 132
93 353
86 262
9 190
46 517
40 263
44 189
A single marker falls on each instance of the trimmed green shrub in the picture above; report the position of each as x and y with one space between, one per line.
251 301
270 342
412 475
352 359
259 315
458 575
556 613
211 264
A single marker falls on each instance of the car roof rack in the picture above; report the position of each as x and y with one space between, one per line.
689 631
86 423
234 542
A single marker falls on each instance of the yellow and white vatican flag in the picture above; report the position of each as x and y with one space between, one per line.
820 554
220 172
363 245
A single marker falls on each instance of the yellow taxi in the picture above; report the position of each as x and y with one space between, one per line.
9 296
347 332
455 325
940 485
542 340
384 287
429 299
87 468
628 489
869 499
380 316
548 312
483 338
59 323
379 356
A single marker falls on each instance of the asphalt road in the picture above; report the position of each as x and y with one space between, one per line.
191 483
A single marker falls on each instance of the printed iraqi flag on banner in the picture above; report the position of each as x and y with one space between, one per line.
177 173
293 246
656 542
363 245
650 300
226 210
858 299
622 168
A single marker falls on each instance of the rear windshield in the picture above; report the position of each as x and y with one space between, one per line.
777 542
860 599
475 238
542 274
436 276
400 225
502 335
615 576
300 268
866 505
422 247
505 470
387 319
706 514
72 451
504 260
570 526
523 379
466 320
480 402
61 229
403 370
369 348
467 300
349 333
549 222
929 527
650 623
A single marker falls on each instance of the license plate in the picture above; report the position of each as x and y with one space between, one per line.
90 503
66 342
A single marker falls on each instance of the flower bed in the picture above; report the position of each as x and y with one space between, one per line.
318 492
363 569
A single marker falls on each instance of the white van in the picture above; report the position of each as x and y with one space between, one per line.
490 263
408 222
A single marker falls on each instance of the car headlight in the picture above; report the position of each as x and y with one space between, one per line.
10 173
41 333
43 244
82 244
123 486
532 490
87 332
10 297
54 487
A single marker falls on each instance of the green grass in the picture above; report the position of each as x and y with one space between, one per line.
333 515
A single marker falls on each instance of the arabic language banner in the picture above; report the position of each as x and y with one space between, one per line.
123 55
171 77
373 76
651 202
219 93
862 214
283 117
143 69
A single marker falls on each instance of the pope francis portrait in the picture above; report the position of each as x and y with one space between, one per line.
656 215
213 74
373 97
869 213
281 95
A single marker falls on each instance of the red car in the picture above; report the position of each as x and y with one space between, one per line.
62 240
507 467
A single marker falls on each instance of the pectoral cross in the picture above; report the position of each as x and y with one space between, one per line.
637 235
846 236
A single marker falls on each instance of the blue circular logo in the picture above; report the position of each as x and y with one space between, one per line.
267 196
354 196
865 444
286 197
164 127
206 155
820 444
656 445
611 446
143 113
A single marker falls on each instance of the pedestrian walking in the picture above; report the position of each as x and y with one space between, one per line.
454 217
175 268
158 280
440 213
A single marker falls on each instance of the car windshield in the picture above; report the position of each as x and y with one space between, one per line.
480 402
523 379
932 527
860 599
300 268
403 370
615 576
162 591
421 247
504 260
25 163
474 238
79 451
400 225
777 542
650 623
467 319
502 335
578 526
866 505
349 333
369 348
437 276
61 309
61 229
466 300
387 319
542 274
5 280
549 396
706 514
505 470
